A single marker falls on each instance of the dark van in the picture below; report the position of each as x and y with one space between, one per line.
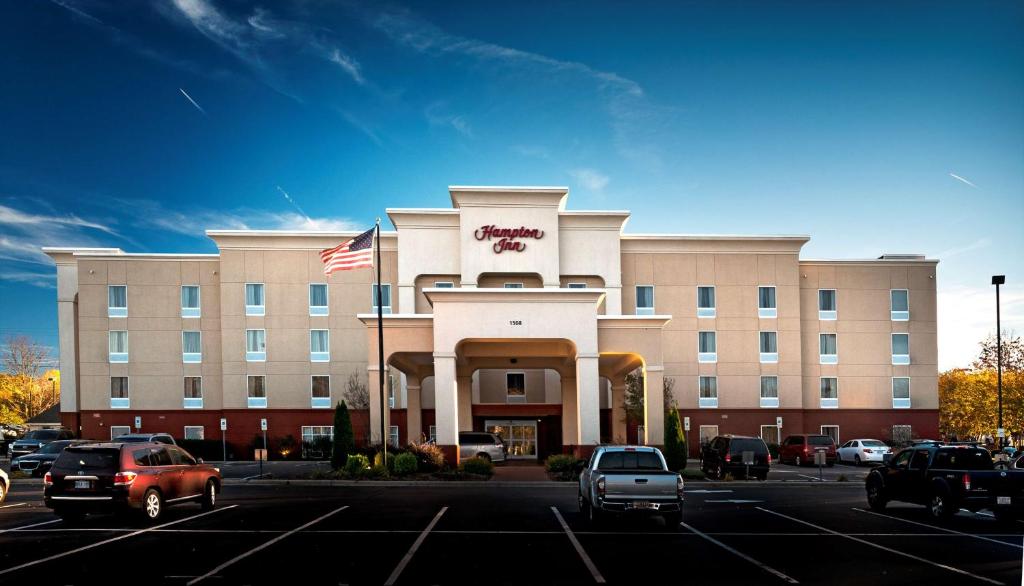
724 455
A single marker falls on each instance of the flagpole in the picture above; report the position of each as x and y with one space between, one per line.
380 352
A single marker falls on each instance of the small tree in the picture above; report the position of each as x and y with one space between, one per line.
1012 353
344 440
675 443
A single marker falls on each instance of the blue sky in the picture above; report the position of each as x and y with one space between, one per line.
871 126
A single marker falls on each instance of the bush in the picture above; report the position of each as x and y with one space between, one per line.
562 466
344 439
286 446
405 463
378 471
691 474
356 465
477 466
429 457
675 444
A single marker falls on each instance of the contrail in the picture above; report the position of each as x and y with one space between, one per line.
189 98
961 179
292 201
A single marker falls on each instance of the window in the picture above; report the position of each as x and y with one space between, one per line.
393 435
827 349
515 387
117 301
708 433
193 392
254 300
444 285
827 304
705 302
194 432
831 431
320 392
385 293
645 300
432 433
707 347
255 345
641 435
708 391
899 305
829 392
319 346
770 434
513 285
191 347
766 302
257 392
316 440
901 435
901 392
392 385
117 431
119 392
901 348
769 391
769 346
118 345
190 301
577 285
318 299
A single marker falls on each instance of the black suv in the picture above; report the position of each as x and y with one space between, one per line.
724 455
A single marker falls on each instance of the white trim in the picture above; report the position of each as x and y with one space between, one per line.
768 312
707 402
643 310
318 310
707 312
256 355
828 402
117 357
768 357
120 402
828 358
319 356
190 312
828 314
900 403
191 357
707 357
256 402
778 433
201 428
899 315
117 311
768 402
196 403
113 427
385 309
324 402
900 359
255 310
823 432
508 397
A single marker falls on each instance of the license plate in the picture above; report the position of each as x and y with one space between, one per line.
82 485
643 505
1004 500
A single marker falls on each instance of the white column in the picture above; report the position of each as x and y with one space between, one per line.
413 416
654 405
619 410
67 332
465 391
406 299
446 407
588 399
613 300
570 416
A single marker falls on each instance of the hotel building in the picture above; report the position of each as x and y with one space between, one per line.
505 312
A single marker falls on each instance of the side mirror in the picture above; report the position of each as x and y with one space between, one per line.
886 458
199 461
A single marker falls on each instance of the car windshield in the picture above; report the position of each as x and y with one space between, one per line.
86 459
52 448
738 446
42 434
872 444
819 440
629 461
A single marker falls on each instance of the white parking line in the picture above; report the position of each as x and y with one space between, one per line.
579 548
106 541
262 547
883 548
14 505
412 550
30 526
940 528
742 555
811 477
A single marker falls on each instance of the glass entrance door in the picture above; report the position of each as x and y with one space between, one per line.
519 435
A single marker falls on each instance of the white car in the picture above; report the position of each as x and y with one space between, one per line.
860 451
5 484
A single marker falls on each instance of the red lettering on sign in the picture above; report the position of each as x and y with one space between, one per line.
508 238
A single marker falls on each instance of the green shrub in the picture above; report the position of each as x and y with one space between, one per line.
378 471
562 466
429 457
287 447
691 474
477 466
344 439
356 465
675 444
405 463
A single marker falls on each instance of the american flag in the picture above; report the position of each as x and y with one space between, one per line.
353 254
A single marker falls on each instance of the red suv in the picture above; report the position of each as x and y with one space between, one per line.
799 449
118 475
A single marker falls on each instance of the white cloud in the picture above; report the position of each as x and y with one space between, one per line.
194 222
348 65
967 315
591 179
41 280
12 217
962 180
960 250
437 115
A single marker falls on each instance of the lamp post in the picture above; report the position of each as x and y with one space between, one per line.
53 390
998 280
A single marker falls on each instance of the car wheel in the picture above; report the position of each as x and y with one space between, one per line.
153 505
3 492
672 521
209 496
940 506
484 456
856 460
876 496
719 472
796 461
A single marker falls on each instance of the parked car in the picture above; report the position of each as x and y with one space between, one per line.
160 438
39 461
117 476
5 483
724 455
478 444
946 479
799 449
38 438
860 451
630 480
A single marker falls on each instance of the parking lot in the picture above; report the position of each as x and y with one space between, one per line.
736 533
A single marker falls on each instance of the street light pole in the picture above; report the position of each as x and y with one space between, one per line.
998 280
53 390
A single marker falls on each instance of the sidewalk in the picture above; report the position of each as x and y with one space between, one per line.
520 471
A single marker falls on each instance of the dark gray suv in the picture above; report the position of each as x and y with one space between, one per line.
38 438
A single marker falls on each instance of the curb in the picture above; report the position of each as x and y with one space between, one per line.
513 484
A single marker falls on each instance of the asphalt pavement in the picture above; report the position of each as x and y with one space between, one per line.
473 533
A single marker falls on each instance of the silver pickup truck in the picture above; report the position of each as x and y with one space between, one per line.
630 480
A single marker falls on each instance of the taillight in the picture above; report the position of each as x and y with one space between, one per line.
728 457
967 481
124 478
600 487
769 459
679 487
867 450
47 479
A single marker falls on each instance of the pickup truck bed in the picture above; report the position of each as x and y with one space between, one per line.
621 480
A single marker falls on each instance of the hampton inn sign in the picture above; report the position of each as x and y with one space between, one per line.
534 345
509 237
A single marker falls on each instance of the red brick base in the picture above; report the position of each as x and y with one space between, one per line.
451 455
